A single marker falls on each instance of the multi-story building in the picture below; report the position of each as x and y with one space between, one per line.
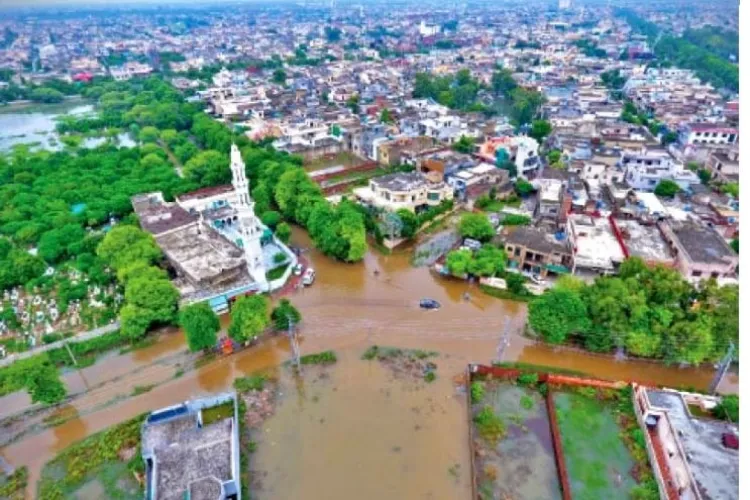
644 169
536 251
708 133
701 253
725 165
412 191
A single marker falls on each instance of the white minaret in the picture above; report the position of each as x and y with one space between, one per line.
250 228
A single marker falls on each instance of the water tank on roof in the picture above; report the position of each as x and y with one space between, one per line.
560 235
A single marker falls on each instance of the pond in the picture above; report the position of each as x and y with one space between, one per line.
34 125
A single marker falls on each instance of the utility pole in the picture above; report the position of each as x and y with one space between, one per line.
504 341
294 342
722 370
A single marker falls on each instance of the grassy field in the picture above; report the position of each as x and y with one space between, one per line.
218 412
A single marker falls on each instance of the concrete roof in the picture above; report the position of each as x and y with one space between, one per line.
644 241
702 243
536 240
716 469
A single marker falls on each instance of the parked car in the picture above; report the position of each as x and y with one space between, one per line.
309 277
297 270
537 280
429 304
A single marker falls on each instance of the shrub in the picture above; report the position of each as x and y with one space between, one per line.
250 383
321 358
528 379
477 392
490 426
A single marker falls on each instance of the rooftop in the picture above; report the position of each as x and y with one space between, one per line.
645 242
400 181
536 240
716 469
702 243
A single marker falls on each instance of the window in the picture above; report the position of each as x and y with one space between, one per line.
696 274
433 196
517 253
714 275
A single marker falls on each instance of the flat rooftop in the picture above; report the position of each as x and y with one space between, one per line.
645 242
703 244
200 252
716 469
596 245
190 458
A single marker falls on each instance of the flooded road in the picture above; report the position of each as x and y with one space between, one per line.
347 309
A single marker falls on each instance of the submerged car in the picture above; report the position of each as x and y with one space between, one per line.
429 304
297 270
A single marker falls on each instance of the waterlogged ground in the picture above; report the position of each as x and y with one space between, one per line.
357 430
522 464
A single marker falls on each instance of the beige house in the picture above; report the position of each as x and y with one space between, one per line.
701 252
412 191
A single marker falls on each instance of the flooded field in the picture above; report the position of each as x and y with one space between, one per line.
349 308
522 463
598 462
354 430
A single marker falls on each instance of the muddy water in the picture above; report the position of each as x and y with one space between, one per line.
348 308
359 433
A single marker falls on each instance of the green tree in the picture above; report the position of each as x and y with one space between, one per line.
731 188
409 223
148 134
488 261
44 385
557 314
476 226
125 244
510 167
458 261
516 283
134 322
728 408
279 76
540 129
667 188
249 318
464 145
271 218
208 168
281 314
283 232
156 298
200 324
554 156
524 187
386 116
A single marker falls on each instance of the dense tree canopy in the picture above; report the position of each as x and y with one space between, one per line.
476 226
200 324
283 313
249 318
557 314
651 312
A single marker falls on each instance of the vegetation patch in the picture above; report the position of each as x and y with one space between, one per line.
250 383
490 426
218 412
111 457
410 363
320 358
277 272
605 450
142 389
13 487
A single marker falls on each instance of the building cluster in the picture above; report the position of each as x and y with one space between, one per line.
214 241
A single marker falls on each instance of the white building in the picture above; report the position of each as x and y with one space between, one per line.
428 29
644 169
411 191
595 247
708 133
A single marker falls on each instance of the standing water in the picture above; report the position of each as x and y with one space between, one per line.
349 307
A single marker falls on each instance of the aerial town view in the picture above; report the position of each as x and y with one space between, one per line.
335 249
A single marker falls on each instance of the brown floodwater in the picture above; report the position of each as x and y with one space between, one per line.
349 307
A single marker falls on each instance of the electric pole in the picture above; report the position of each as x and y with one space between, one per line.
722 370
504 341
294 342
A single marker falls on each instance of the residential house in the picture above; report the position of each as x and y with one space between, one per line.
411 191
533 250
701 252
